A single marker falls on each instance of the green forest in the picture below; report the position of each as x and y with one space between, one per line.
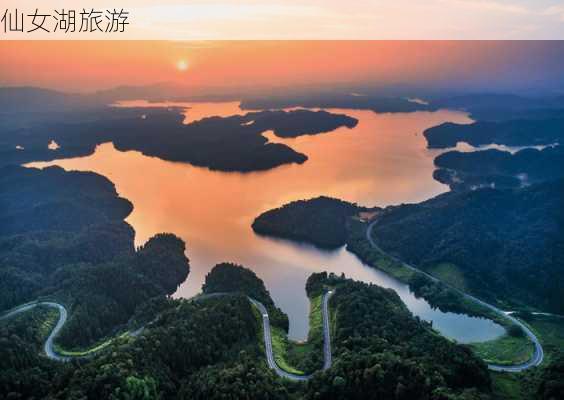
499 169
508 245
512 132
63 238
233 278
504 245
320 221
212 349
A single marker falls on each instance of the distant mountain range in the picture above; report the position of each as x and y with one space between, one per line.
482 106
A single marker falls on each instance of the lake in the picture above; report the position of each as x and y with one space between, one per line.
382 161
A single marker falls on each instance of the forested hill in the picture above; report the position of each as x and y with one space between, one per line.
52 199
381 351
233 143
63 237
326 99
320 221
193 350
212 347
506 244
236 279
515 132
299 122
501 169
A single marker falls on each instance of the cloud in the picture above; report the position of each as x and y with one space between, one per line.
556 10
488 5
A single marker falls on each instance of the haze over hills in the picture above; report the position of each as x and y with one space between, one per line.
66 230
32 99
146 275
515 132
232 143
243 147
483 106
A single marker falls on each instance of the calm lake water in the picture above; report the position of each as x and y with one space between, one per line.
382 161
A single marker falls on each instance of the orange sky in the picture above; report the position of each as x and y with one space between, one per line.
91 65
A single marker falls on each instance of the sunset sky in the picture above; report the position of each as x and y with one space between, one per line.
94 65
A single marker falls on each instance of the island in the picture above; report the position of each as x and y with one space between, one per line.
373 102
501 245
514 132
291 124
320 221
234 143
498 107
500 169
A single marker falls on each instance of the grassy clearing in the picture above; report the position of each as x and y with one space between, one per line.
302 357
299 358
392 267
297 352
98 347
315 318
308 356
358 245
280 346
549 330
451 277
51 317
399 271
505 350
522 386
508 350
450 274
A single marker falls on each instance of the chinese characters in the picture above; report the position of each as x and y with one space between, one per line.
67 21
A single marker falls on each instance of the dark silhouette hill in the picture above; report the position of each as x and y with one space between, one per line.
511 133
232 143
501 169
321 221
63 236
508 245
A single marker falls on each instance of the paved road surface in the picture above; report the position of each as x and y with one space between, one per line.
50 352
268 340
48 347
538 353
327 357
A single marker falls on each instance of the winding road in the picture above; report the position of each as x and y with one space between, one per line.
50 352
538 354
268 340
63 314
48 346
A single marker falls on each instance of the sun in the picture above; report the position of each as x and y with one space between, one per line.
182 65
